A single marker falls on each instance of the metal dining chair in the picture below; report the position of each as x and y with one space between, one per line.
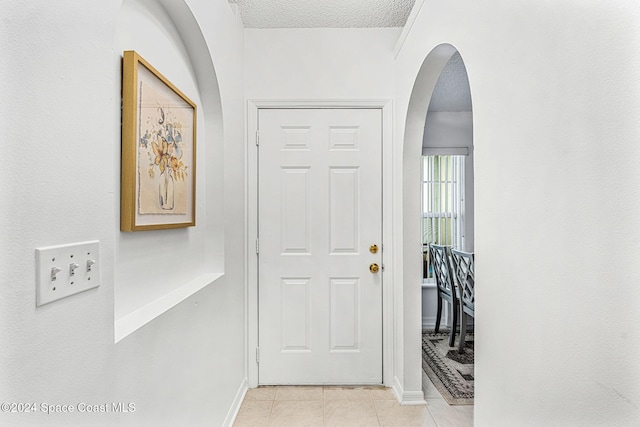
446 288
463 271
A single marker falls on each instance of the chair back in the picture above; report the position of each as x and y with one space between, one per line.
464 273
441 269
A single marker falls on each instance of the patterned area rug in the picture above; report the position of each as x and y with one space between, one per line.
449 371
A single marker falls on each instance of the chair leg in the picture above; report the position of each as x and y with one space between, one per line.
463 330
454 325
439 314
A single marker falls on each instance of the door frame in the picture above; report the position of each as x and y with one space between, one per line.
251 217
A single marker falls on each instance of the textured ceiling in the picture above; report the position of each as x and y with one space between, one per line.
452 89
323 13
452 92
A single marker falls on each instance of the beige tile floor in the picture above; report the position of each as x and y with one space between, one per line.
302 406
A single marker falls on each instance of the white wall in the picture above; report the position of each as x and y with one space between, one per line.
328 65
555 115
61 120
319 64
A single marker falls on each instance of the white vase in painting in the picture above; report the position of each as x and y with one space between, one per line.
166 190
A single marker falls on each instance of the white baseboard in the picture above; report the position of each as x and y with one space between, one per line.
235 405
429 322
407 398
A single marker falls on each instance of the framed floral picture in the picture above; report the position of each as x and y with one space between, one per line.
158 181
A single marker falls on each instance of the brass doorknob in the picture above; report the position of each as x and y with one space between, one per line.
373 249
374 268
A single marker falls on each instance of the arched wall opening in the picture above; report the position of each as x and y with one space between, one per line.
412 262
167 34
447 179
448 131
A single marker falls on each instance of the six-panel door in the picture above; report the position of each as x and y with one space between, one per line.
320 210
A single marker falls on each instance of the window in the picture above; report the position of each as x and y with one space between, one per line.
442 201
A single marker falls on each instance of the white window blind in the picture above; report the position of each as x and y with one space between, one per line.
443 200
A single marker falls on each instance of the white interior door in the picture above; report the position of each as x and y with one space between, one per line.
320 210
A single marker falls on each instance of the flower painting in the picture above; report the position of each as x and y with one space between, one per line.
163 167
158 150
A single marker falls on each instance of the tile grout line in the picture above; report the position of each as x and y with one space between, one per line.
428 408
369 397
375 408
271 410
324 409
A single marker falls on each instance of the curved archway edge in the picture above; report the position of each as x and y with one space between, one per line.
409 361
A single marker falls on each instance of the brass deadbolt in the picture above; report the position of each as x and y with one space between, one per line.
373 249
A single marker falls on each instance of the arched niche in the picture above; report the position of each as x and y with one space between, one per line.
151 265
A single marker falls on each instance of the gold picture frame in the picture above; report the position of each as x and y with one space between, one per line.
158 176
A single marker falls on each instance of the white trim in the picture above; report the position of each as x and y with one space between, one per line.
251 232
413 398
387 220
429 322
247 252
407 27
235 405
256 104
407 398
135 320
445 151
397 389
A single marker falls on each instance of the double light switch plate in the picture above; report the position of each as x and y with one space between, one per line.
66 270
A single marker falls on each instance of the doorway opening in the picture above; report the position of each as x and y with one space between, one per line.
343 142
447 177
440 134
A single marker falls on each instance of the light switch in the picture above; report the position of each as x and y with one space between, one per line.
65 270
